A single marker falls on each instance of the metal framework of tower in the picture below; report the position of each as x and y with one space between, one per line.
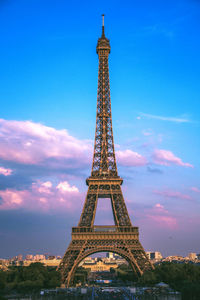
104 182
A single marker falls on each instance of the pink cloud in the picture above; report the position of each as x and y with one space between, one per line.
159 206
130 159
161 216
34 143
195 189
5 172
45 187
156 217
166 157
12 199
42 196
165 221
173 194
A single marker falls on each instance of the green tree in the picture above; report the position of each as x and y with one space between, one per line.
181 277
25 279
2 280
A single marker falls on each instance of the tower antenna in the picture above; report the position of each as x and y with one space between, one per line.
103 34
103 20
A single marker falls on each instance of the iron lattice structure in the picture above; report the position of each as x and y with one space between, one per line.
104 182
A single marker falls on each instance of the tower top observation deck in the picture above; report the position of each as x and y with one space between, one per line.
103 43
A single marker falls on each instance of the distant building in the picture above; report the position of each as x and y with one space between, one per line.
175 258
29 257
154 255
51 257
51 262
192 256
198 256
39 257
46 255
47 262
110 255
19 257
113 256
99 266
89 260
102 263
119 260
4 264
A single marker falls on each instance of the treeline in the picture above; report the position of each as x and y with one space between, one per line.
125 273
184 278
181 277
28 279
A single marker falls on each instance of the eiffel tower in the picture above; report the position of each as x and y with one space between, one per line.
104 182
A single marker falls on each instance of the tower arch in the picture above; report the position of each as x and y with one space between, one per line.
132 262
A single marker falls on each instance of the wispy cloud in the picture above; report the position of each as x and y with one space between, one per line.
166 158
160 215
195 189
154 170
163 118
173 194
147 132
159 29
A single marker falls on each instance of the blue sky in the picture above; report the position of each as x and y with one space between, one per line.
48 75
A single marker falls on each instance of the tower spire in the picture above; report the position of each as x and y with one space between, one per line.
103 34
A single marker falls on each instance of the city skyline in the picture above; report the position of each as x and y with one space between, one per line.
48 102
154 256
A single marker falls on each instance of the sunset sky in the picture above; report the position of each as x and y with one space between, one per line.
48 88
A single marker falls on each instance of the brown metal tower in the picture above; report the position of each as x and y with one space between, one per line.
104 182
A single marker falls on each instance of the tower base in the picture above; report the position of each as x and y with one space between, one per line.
88 240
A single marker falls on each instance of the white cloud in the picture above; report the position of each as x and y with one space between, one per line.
5 172
65 187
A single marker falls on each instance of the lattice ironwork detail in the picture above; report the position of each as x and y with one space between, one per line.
104 162
104 182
